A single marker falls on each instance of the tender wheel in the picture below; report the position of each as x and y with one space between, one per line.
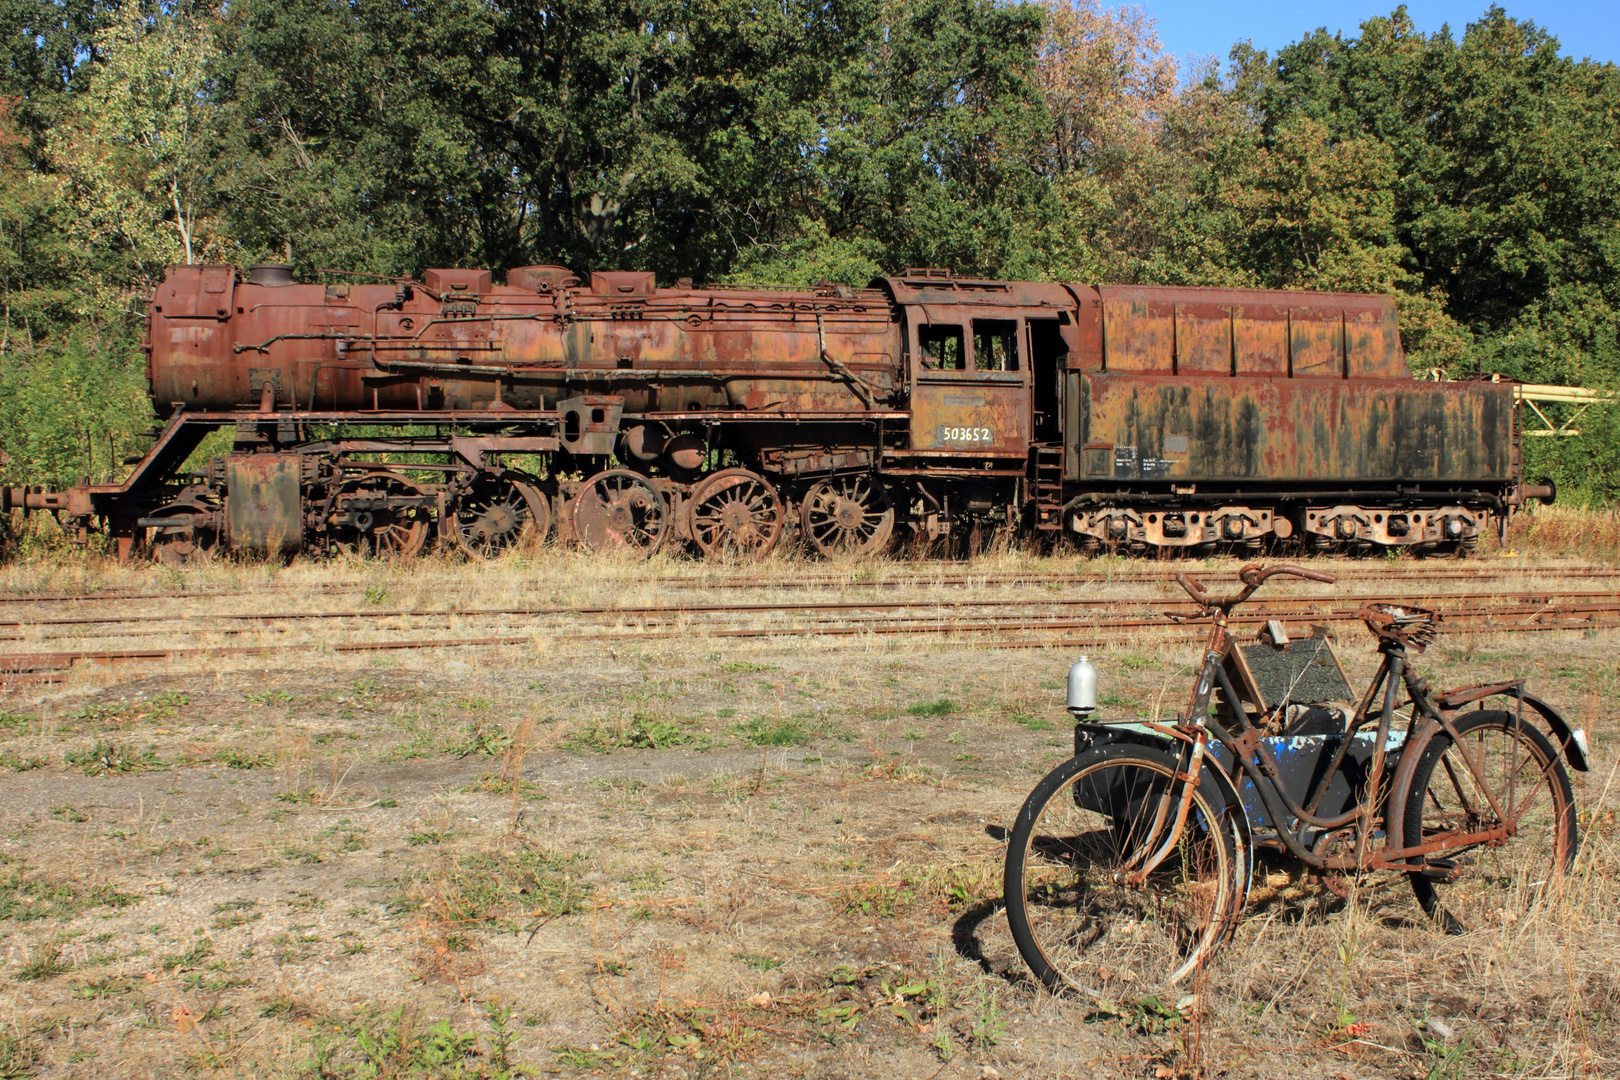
1077 923
618 510
1526 778
494 515
187 541
848 516
736 514
369 526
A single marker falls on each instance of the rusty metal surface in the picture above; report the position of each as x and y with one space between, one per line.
618 510
847 516
1209 332
959 403
459 342
736 513
264 509
1145 427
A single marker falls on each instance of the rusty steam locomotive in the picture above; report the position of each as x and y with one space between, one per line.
615 413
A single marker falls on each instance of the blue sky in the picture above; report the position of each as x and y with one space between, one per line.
1584 28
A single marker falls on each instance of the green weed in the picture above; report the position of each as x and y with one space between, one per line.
46 963
109 757
641 733
26 899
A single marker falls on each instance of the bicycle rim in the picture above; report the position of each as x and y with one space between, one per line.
1494 886
1077 922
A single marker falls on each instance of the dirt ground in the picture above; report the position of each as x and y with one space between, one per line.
694 857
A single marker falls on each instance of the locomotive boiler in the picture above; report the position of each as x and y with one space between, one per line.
380 416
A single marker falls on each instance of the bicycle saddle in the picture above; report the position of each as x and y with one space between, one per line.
1413 627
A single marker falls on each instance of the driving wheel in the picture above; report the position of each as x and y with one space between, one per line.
371 526
492 516
618 510
736 514
847 516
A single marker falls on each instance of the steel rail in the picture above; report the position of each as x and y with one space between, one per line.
1113 632
643 618
1033 577
1285 605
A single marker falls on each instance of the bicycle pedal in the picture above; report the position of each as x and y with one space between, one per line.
1440 871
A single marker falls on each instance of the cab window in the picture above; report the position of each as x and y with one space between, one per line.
943 347
995 345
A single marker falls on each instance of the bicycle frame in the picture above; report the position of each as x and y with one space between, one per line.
1377 809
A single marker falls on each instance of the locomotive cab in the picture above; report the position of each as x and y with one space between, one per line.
982 362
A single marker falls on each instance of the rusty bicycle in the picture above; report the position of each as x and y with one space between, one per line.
1132 860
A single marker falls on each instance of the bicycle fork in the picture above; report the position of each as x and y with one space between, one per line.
1187 777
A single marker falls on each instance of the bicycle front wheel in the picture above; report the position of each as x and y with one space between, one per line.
1086 826
1524 786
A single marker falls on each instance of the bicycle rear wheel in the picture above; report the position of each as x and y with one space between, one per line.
1077 923
1524 775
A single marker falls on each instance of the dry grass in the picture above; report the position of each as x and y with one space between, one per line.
680 856
1569 531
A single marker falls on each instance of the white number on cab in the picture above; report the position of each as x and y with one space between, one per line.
949 434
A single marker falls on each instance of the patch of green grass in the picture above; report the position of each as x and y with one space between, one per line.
743 667
235 913
504 888
109 757
938 707
18 763
1033 723
97 989
16 1058
762 732
758 963
167 705
641 733
237 758
400 1044
46 963
430 836
26 899
66 812
193 956
491 784
883 900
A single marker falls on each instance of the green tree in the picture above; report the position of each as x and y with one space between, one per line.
136 163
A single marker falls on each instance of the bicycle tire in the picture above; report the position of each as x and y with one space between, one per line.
1078 927
1500 883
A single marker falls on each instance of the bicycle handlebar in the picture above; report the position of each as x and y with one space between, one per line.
1253 576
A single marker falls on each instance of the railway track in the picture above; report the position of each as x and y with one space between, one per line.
1269 609
998 623
1034 577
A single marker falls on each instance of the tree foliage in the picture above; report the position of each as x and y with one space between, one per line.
1475 176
